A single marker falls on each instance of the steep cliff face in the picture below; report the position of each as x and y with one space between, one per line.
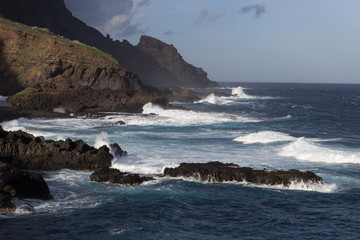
34 55
143 59
167 56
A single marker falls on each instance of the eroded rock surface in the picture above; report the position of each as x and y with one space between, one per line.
226 172
25 151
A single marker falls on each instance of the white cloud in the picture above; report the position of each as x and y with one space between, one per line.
110 16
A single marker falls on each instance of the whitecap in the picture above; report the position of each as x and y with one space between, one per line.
170 117
213 99
264 137
239 92
307 150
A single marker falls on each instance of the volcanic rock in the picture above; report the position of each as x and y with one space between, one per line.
25 151
220 172
115 176
20 184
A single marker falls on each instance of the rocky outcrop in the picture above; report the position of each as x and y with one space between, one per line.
25 151
20 184
64 74
115 176
36 55
155 62
166 55
220 172
67 96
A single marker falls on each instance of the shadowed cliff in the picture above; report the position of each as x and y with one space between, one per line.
164 69
65 74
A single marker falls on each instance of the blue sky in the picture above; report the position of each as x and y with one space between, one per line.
244 40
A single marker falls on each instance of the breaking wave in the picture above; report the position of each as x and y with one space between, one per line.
264 137
239 93
309 150
213 99
169 117
294 185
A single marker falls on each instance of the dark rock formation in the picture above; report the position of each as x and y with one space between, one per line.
25 151
69 96
15 183
22 184
220 172
115 176
155 62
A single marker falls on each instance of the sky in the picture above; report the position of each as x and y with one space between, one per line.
312 41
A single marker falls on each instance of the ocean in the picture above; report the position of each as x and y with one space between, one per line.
313 127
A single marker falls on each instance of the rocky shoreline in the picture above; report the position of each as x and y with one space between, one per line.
22 153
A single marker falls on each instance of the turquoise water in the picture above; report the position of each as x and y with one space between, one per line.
302 126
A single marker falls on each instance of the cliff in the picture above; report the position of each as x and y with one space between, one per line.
58 72
35 55
154 66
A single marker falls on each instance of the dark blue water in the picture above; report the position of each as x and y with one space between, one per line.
304 126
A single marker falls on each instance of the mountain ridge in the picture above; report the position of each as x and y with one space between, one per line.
54 15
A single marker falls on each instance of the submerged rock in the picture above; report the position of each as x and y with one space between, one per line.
111 175
226 172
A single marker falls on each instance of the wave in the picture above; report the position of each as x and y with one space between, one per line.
239 93
294 185
169 117
264 137
308 150
237 96
213 99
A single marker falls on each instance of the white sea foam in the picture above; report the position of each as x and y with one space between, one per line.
264 137
294 185
3 102
101 140
239 92
213 99
309 150
169 117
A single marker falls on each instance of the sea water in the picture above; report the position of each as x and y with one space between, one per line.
313 127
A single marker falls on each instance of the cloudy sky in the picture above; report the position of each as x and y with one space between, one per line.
244 40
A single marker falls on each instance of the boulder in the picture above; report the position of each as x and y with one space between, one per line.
20 184
115 176
227 172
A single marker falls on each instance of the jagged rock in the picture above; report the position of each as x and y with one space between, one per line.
5 202
25 151
220 172
117 151
115 176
